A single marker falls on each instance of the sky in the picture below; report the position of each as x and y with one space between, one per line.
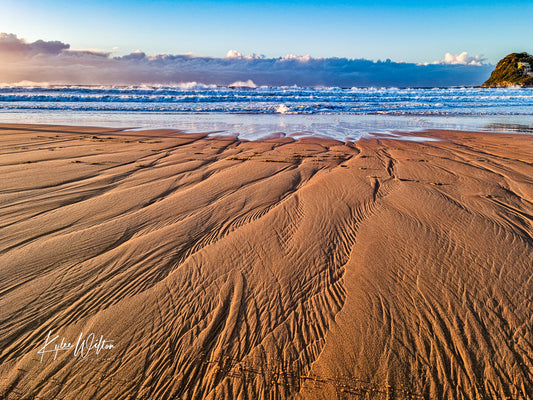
412 32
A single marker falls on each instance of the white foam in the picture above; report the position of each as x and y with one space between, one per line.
243 84
282 109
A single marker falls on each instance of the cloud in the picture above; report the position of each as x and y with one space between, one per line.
87 52
462 59
136 55
10 44
56 62
234 54
292 57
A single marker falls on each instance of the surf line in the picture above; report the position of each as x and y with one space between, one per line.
83 346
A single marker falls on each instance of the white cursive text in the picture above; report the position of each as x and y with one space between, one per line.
82 348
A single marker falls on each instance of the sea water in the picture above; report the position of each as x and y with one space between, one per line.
252 113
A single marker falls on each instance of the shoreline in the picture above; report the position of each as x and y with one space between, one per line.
221 268
257 126
430 133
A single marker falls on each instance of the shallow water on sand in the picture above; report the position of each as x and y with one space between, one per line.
260 112
257 126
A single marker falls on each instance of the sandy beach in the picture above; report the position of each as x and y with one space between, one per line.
163 265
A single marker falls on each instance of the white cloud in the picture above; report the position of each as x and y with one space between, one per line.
292 57
233 54
461 59
236 55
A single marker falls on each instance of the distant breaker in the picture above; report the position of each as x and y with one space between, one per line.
516 69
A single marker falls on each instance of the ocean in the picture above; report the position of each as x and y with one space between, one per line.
252 113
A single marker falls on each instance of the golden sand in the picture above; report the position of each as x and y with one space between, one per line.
224 269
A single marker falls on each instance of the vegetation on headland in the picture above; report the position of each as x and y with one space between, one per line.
516 69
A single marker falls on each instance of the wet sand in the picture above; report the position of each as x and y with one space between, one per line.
215 268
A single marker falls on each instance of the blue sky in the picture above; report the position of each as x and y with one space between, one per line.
411 31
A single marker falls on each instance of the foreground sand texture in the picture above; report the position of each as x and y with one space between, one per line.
222 269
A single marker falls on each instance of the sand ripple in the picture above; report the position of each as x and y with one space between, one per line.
221 268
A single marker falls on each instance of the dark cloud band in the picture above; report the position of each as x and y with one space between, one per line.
54 62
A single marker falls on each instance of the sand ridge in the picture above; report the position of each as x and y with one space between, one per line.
222 268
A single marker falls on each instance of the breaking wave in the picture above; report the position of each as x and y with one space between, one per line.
243 97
